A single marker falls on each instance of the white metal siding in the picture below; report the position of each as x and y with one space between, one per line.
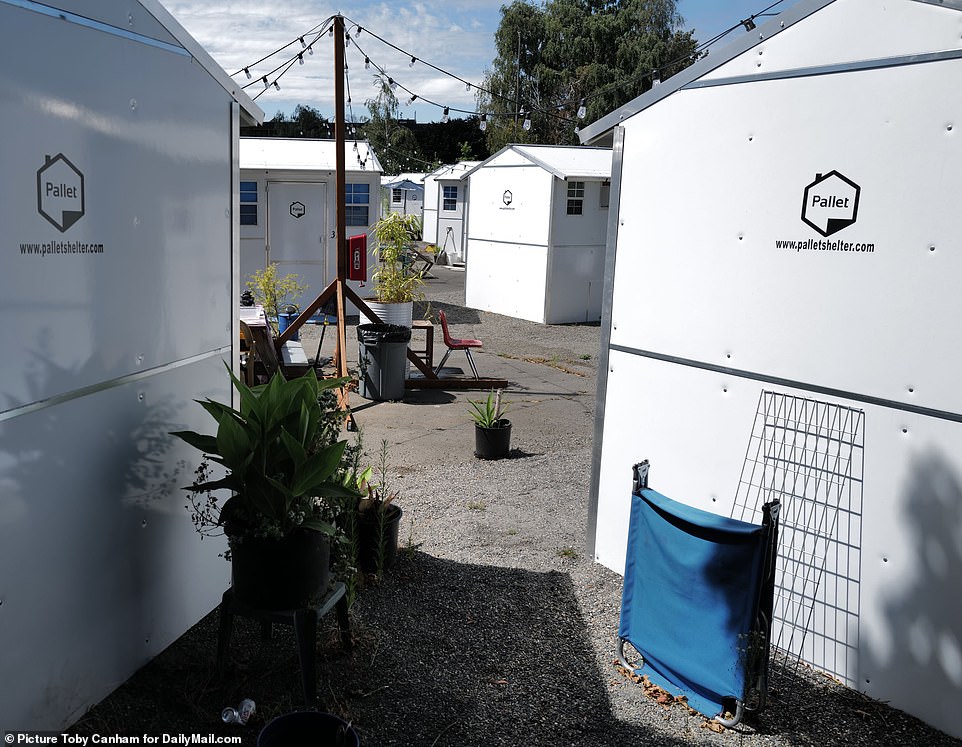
100 568
713 178
507 243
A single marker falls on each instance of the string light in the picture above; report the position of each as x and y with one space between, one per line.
526 125
749 23
266 84
655 78
303 43
367 63
484 122
247 72
411 100
582 109
300 58
413 60
310 49
446 114
277 85
392 84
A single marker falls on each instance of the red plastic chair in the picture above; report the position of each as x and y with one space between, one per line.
455 343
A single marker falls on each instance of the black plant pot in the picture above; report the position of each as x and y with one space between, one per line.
308 727
378 539
281 574
494 442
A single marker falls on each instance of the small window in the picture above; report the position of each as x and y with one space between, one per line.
357 198
605 194
248 206
396 195
450 199
576 198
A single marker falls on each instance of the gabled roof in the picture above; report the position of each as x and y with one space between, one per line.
413 178
563 161
454 171
600 131
305 154
251 113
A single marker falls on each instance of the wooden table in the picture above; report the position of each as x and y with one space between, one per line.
426 353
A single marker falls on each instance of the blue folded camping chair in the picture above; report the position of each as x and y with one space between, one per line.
697 601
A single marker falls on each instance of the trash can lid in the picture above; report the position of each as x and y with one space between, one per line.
383 333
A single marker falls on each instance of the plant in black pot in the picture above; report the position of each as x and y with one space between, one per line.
492 431
379 518
282 464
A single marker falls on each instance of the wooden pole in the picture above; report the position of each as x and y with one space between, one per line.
340 178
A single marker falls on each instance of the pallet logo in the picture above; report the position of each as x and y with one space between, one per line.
298 210
830 203
60 192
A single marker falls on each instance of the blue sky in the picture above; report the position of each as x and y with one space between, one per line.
455 35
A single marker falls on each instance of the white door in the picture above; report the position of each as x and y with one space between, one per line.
297 234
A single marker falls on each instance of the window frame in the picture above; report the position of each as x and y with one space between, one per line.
357 199
247 214
575 198
445 199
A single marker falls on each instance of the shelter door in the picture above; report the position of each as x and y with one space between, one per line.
297 237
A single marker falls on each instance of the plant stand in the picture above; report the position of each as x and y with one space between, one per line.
304 621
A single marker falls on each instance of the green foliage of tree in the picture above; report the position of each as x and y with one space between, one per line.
394 143
552 55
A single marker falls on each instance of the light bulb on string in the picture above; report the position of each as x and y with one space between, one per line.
367 63
446 114
392 84
655 78
310 49
303 43
300 58
247 72
411 100
413 60
526 125
266 84
331 32
484 122
582 109
347 39
467 86
277 85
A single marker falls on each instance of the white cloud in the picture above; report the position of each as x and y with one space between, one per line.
238 33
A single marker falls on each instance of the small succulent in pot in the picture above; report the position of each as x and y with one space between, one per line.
489 413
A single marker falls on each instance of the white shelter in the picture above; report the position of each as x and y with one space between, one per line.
446 209
289 205
404 193
536 232
781 318
119 286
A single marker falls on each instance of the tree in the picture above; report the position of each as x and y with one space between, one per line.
551 57
394 143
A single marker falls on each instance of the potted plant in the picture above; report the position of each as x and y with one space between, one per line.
396 285
276 294
282 465
379 519
492 431
370 521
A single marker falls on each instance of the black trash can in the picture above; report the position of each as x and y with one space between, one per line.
382 356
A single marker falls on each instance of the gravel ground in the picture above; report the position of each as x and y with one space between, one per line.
493 628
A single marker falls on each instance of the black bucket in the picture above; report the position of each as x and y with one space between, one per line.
309 728
493 443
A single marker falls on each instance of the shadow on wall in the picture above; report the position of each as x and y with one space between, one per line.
925 617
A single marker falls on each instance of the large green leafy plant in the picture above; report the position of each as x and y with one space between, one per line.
280 457
394 282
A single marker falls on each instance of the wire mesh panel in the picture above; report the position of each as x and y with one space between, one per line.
809 455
